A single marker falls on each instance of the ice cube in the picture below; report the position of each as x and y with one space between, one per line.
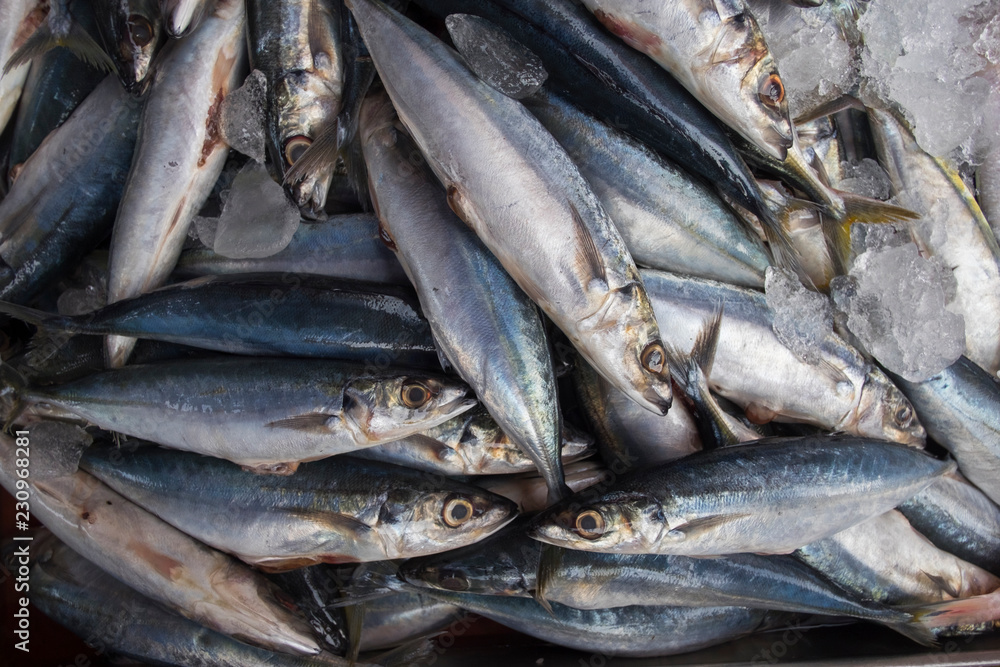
895 305
866 178
243 116
258 219
57 449
802 318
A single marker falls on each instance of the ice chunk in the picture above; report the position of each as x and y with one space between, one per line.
811 48
802 318
243 116
88 288
258 219
866 178
204 230
895 304
495 56
56 450
934 59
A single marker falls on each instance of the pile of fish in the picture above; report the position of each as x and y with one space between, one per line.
319 332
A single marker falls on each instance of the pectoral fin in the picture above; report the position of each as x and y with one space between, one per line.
699 527
314 422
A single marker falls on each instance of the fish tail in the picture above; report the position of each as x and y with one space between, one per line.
933 619
417 652
13 384
371 581
782 250
40 319
858 209
78 41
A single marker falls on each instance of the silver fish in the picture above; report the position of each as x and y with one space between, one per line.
340 510
668 220
264 413
179 156
771 496
158 560
717 51
19 19
752 368
504 173
483 324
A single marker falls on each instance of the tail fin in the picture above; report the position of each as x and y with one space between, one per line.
782 250
370 582
78 41
39 318
858 209
12 383
354 618
954 617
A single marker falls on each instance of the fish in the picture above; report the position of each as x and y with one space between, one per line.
952 228
486 328
340 510
886 560
958 518
718 53
19 19
180 17
113 618
960 407
159 561
177 160
627 435
471 444
63 203
298 47
574 266
342 246
668 219
597 72
132 32
55 86
264 413
266 315
771 496
752 368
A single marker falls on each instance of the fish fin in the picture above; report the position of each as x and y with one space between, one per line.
357 171
692 529
78 42
339 522
12 382
858 209
416 652
313 422
354 619
943 584
917 630
759 414
829 108
707 341
970 611
548 563
38 318
320 153
370 581
592 256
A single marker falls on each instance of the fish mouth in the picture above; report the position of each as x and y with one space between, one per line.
777 143
660 403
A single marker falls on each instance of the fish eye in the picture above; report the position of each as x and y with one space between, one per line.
140 31
772 91
652 357
904 415
414 394
456 512
295 147
590 524
453 581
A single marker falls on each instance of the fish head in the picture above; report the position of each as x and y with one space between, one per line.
137 33
743 66
428 520
640 368
884 412
390 408
576 444
619 522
